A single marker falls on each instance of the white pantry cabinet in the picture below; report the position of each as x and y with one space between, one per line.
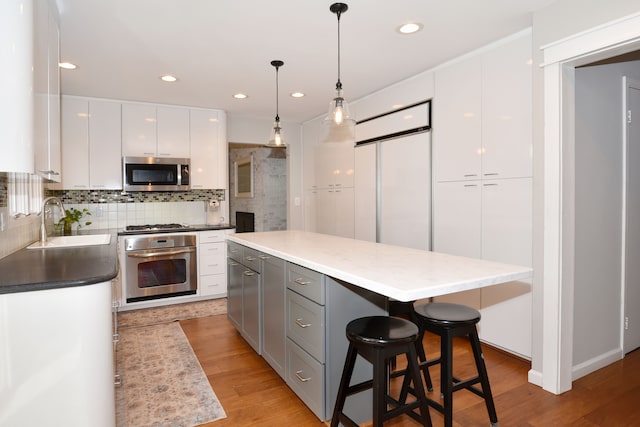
330 211
46 87
490 219
158 131
482 114
209 149
91 149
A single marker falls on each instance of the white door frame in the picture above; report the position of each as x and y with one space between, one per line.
560 60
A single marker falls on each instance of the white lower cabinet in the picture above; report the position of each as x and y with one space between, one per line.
212 253
490 219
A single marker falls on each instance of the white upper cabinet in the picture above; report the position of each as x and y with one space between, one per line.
173 132
46 84
208 149
507 110
482 114
105 153
91 153
16 86
150 130
457 121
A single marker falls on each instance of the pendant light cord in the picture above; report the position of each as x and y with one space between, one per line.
277 99
339 83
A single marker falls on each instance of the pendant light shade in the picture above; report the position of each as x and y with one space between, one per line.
276 139
340 125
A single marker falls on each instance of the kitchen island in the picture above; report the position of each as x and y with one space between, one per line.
56 362
323 282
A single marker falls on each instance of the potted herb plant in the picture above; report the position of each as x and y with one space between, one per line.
73 215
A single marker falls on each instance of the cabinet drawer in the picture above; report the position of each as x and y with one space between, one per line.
306 282
234 251
305 324
212 258
214 284
251 258
212 236
305 376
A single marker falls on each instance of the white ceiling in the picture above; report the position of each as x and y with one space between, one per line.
217 48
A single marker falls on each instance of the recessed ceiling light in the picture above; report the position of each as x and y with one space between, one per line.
168 78
297 95
67 65
240 96
410 28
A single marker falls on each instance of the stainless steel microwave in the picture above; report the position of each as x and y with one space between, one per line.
155 174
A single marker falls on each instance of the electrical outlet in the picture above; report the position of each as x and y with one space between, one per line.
296 201
626 323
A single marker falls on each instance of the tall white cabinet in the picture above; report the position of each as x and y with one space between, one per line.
483 185
328 180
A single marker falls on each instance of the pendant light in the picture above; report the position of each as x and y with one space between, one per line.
338 121
276 139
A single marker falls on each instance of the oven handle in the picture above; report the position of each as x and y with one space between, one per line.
162 253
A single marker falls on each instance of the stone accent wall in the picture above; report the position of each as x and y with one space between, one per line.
269 201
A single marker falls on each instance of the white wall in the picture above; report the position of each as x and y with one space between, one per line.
557 21
598 207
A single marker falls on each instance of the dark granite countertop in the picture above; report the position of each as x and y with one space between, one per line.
30 270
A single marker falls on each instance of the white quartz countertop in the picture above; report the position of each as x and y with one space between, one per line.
400 273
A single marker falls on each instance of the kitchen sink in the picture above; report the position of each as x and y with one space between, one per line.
72 241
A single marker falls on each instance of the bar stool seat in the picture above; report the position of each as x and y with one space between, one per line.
378 339
449 321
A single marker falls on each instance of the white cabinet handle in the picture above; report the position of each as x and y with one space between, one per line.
233 264
300 378
249 273
490 185
302 325
264 257
469 175
300 281
491 174
250 258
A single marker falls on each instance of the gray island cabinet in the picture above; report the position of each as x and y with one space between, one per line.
299 290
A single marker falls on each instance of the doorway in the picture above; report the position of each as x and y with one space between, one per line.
631 312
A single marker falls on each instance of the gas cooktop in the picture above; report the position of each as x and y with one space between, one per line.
156 227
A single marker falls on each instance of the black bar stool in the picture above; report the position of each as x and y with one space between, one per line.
406 310
448 321
378 339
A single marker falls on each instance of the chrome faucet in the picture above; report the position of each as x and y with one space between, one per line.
43 214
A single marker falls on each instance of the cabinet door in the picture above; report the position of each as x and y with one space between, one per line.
325 211
207 169
456 218
365 193
342 164
343 212
234 293
310 203
75 150
457 121
507 237
172 132
506 110
138 130
55 154
105 155
457 228
251 311
273 313
311 132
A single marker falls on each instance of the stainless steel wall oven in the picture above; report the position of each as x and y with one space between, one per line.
160 266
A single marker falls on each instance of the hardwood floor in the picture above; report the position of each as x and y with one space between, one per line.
252 394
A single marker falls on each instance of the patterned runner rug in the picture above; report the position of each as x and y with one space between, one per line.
163 384
169 313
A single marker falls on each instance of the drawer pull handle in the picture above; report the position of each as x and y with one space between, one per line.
264 257
249 273
302 325
300 378
250 258
300 281
233 264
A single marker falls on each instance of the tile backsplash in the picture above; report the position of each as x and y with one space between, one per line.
109 210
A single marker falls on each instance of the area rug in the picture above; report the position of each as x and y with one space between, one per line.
170 313
163 384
